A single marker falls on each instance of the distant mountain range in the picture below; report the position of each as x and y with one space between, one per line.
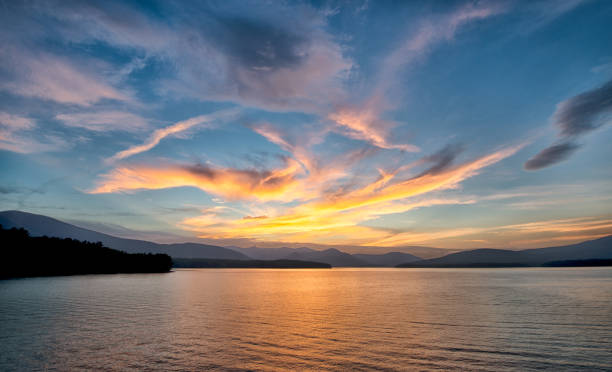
39 225
331 256
592 249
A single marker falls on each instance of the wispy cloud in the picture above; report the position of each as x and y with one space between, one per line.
574 118
431 32
104 121
273 56
226 182
298 145
363 121
340 216
172 130
54 78
16 122
528 234
16 135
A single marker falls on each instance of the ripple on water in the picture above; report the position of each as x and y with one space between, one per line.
387 319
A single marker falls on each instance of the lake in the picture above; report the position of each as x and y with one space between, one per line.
338 319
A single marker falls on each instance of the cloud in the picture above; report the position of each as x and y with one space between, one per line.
27 145
541 13
321 173
172 130
442 159
574 118
527 234
431 32
53 78
226 182
17 134
269 62
585 112
339 217
15 122
104 121
551 155
297 144
272 56
363 122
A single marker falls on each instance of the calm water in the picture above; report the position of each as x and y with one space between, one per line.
340 319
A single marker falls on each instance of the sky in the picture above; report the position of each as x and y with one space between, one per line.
453 124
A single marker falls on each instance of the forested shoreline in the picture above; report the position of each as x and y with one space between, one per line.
27 256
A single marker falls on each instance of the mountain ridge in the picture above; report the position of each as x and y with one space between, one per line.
39 225
600 248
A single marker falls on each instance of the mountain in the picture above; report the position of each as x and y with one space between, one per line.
255 264
425 252
592 249
598 248
39 225
387 259
271 253
331 256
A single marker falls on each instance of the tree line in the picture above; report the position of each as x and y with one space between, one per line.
24 256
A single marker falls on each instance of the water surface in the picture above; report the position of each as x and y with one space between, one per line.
339 319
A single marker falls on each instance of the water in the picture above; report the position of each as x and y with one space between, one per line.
339 319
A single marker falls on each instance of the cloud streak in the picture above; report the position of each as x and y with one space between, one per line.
528 234
17 134
229 183
339 217
551 155
49 77
104 121
158 135
269 56
574 118
364 122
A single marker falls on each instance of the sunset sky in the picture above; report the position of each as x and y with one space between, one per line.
458 124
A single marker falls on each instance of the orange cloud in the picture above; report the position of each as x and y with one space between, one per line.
364 124
226 182
300 153
338 219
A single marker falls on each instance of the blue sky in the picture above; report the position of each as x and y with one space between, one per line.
451 124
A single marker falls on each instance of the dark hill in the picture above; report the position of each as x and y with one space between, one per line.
39 225
253 264
26 256
387 259
271 253
332 256
592 249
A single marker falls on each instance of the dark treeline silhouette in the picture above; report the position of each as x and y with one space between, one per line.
23 256
261 264
579 263
564 263
474 265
